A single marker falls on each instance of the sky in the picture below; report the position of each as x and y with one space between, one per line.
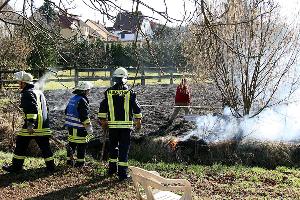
175 8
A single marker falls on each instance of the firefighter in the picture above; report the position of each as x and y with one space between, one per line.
78 124
182 99
118 112
36 125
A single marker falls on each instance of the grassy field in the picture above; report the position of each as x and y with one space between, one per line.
55 85
68 73
208 182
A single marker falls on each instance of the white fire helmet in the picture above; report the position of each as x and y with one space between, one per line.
84 85
120 72
24 77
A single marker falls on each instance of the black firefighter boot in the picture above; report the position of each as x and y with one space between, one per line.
122 173
50 166
112 168
16 166
79 164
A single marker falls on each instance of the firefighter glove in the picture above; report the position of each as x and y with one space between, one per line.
89 129
138 124
104 123
30 129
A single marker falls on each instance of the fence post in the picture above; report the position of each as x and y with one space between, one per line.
143 81
111 74
1 83
76 76
159 74
171 78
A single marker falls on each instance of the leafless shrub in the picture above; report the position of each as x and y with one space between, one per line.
246 49
14 52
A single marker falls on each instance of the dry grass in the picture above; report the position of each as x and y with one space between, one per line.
248 152
208 182
10 121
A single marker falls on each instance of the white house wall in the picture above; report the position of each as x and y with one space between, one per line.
146 28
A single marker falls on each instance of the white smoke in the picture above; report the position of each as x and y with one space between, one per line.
60 107
278 123
215 128
40 84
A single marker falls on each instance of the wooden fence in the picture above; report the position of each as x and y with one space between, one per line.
162 73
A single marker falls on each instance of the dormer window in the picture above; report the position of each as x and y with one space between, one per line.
73 26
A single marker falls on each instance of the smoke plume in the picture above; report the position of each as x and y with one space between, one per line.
278 123
40 84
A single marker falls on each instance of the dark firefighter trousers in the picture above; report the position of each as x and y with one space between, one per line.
74 145
20 152
119 143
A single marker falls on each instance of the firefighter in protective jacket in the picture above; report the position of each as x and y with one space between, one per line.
36 124
182 99
118 112
78 123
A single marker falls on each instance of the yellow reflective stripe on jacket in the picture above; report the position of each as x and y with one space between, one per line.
119 126
48 159
138 115
126 106
102 115
111 106
19 157
124 164
77 139
87 121
37 132
31 116
113 160
80 160
120 122
74 132
40 112
112 121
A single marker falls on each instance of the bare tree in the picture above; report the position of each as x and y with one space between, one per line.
246 49
14 52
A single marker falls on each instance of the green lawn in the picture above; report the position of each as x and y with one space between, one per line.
68 73
54 85
208 182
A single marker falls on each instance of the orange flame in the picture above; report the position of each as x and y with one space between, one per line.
173 144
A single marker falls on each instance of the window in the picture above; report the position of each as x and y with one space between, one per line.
122 35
